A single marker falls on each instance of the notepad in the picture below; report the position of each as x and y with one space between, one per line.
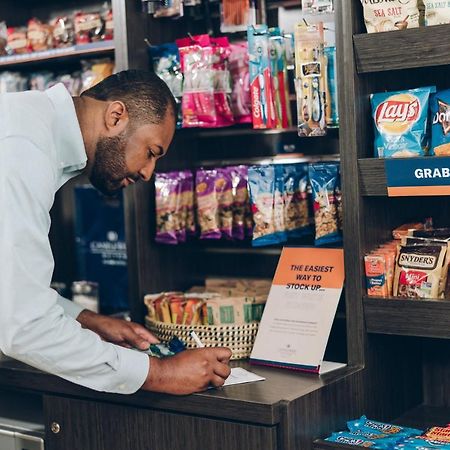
239 375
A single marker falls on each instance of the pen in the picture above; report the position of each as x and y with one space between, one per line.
197 339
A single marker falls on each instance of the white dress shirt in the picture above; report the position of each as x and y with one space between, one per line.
41 148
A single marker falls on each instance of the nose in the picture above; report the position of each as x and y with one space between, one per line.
147 171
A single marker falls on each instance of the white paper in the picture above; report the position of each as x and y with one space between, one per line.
239 375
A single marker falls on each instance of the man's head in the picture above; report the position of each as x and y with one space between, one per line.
129 120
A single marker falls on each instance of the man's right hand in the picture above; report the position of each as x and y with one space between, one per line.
189 371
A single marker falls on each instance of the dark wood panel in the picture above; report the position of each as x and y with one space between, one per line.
372 176
424 416
427 318
102 426
418 47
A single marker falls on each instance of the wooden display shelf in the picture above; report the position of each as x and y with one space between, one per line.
397 316
406 49
372 177
73 52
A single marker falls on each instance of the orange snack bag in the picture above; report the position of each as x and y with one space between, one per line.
376 274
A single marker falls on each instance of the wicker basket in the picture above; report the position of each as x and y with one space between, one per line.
238 338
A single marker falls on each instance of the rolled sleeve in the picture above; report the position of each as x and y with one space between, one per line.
70 308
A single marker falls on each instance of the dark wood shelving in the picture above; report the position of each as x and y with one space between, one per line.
56 54
423 417
406 49
397 316
372 177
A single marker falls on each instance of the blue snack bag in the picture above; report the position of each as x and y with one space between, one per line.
400 122
440 123
371 425
267 205
345 437
422 443
323 178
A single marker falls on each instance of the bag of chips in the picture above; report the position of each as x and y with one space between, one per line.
437 12
207 203
440 123
400 120
391 15
418 271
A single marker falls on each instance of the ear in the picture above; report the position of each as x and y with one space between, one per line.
116 117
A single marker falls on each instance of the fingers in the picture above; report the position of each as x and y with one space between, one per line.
222 370
144 333
134 339
223 354
217 381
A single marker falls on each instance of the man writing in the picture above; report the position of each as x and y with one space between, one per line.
115 132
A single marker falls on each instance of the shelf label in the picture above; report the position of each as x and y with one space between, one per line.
409 177
300 309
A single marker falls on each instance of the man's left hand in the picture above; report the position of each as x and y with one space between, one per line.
117 331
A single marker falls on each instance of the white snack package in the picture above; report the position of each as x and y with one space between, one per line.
389 15
437 12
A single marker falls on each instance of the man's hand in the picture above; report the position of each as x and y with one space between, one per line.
189 371
117 331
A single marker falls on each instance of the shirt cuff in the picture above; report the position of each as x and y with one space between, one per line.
70 308
133 371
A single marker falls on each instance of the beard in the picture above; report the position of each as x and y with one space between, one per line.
109 168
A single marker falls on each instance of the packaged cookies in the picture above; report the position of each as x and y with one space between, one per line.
418 271
400 122
440 128
390 15
437 12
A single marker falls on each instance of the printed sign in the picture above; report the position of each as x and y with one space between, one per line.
410 177
300 310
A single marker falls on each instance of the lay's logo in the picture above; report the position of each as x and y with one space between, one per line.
398 113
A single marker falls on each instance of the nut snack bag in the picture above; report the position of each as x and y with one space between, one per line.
207 203
323 179
390 15
437 12
440 123
400 120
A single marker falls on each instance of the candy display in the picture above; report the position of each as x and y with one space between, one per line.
400 123
311 80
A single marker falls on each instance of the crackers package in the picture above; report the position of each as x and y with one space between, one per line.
440 119
437 12
400 122
418 271
390 15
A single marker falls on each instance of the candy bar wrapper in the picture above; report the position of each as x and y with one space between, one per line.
239 176
207 204
261 82
263 186
168 204
187 224
224 192
296 208
323 178
310 82
278 67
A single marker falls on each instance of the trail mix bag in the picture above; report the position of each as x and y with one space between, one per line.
388 15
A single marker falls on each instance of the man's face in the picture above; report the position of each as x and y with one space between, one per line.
131 155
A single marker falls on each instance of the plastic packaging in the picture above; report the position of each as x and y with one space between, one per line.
224 192
63 31
17 42
239 177
207 204
40 35
3 38
440 120
236 15
89 27
363 423
331 106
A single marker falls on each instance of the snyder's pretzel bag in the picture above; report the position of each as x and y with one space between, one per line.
400 121
437 12
440 123
390 15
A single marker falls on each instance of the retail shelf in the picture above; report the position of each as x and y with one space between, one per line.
321 444
423 417
372 176
406 49
397 316
76 51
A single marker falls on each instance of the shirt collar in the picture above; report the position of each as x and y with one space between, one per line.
71 153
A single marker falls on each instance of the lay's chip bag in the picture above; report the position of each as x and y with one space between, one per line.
400 122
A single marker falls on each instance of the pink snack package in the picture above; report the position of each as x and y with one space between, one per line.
222 81
241 103
198 106
207 204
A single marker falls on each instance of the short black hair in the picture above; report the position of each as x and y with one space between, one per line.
146 97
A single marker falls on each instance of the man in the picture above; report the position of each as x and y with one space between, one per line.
115 132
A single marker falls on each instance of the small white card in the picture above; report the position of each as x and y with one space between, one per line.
239 375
